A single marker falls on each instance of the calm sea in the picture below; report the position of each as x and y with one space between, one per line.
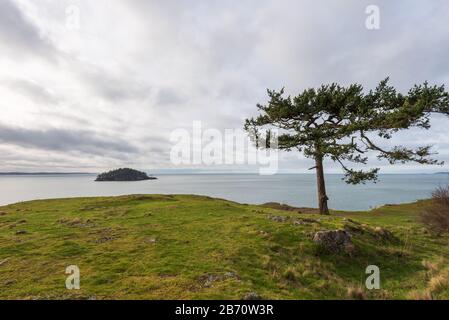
297 189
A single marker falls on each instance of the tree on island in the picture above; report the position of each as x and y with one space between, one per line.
344 124
123 174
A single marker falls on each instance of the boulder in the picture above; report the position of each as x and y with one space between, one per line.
335 241
278 218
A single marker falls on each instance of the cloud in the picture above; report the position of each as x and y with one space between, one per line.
169 96
138 69
115 88
20 37
63 140
31 90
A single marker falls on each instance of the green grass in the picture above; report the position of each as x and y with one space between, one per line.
193 247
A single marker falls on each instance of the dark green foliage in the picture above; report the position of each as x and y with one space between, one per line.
345 124
123 174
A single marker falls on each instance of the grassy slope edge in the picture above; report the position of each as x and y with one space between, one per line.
193 247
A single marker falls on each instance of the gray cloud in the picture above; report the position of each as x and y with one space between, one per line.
65 140
169 96
19 37
31 90
111 87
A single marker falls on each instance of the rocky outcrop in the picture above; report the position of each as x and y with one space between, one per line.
335 241
278 218
378 233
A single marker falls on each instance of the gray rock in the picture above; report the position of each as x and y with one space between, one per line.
150 241
208 280
304 221
252 296
278 218
335 241
230 274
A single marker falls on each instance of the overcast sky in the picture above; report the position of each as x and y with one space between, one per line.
108 91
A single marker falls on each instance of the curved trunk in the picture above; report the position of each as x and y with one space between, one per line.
322 196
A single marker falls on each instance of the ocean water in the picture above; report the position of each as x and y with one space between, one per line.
293 189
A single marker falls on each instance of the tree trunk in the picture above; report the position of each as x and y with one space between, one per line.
322 197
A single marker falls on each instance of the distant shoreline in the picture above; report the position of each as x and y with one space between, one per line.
43 173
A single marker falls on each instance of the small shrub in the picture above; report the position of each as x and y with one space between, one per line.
436 216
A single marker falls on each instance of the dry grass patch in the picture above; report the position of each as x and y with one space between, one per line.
436 216
356 293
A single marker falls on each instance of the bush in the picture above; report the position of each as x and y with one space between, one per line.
436 216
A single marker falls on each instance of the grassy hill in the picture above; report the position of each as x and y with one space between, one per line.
193 247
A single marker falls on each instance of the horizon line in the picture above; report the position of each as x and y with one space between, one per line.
187 171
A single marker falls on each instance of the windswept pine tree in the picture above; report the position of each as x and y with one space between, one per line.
345 124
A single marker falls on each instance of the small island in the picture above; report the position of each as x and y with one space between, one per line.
124 174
